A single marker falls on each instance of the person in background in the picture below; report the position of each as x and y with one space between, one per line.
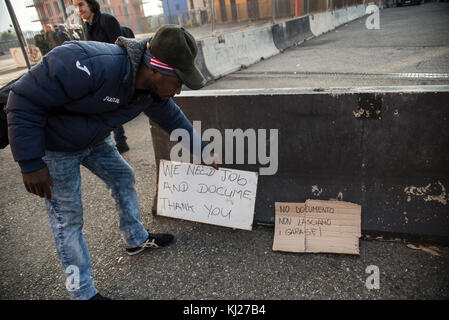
101 27
77 32
41 43
62 34
50 36
74 34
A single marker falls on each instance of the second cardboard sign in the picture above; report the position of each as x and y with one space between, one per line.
317 226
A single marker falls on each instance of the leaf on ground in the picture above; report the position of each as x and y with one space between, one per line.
432 250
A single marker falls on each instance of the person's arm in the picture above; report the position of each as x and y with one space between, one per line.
169 117
112 28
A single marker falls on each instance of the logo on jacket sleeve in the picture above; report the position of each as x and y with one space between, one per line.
81 67
111 99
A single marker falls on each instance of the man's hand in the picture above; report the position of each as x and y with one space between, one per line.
38 182
215 166
211 161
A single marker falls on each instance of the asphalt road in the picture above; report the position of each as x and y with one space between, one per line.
411 39
206 262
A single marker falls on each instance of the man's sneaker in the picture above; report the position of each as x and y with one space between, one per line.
155 240
99 297
122 147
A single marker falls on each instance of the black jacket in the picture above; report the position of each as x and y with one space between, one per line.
62 36
104 28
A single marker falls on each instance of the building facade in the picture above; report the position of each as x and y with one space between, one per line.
243 10
199 12
175 11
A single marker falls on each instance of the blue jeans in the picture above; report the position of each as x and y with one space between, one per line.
66 211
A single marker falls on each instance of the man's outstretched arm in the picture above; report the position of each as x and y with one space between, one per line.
169 117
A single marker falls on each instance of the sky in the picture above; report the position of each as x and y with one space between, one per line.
23 14
152 8
26 15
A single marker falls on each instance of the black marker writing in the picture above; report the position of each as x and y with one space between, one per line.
232 176
215 211
225 192
182 187
173 205
171 169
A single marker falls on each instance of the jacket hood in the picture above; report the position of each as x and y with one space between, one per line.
135 49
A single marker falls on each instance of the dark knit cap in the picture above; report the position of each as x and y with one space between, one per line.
176 47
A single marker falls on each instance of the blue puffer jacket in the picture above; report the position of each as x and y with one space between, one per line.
75 97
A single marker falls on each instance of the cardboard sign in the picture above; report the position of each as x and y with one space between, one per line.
223 197
317 226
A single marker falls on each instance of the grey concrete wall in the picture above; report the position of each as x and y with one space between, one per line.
291 32
386 149
227 53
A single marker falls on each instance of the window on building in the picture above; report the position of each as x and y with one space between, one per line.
50 13
177 6
57 8
126 11
109 10
40 11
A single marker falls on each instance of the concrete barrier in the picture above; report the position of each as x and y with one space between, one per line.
342 16
384 148
291 32
356 12
219 56
201 63
227 53
321 23
339 17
